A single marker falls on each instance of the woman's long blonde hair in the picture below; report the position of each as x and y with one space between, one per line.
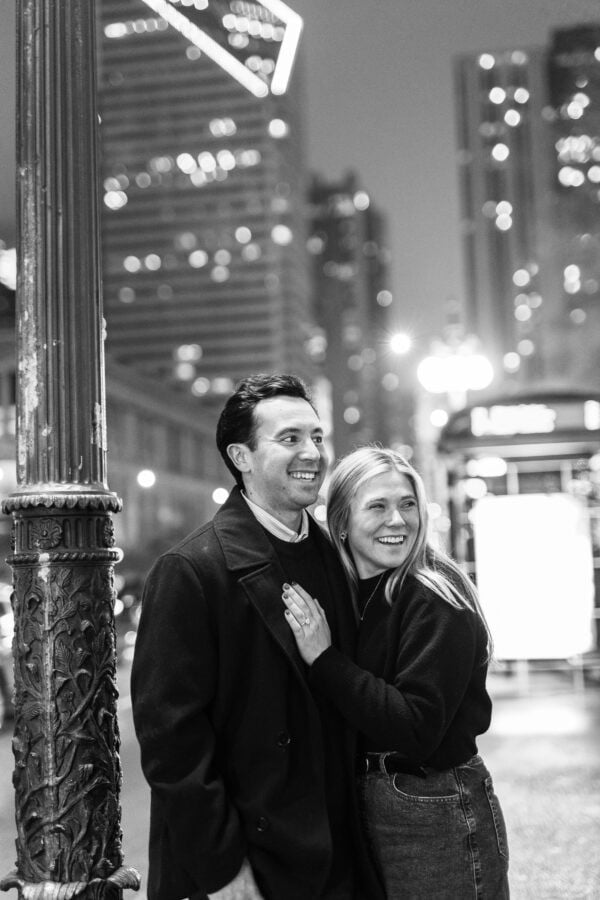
429 565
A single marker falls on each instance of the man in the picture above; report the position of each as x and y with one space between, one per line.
251 776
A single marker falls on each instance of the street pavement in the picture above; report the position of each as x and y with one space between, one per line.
543 751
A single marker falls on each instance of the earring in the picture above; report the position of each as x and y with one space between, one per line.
343 535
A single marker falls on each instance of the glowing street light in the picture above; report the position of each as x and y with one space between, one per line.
401 343
455 371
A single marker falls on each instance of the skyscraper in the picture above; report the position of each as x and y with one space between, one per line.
529 144
205 275
505 162
574 87
351 300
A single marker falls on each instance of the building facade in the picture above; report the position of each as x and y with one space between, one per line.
528 148
204 243
350 269
162 462
574 88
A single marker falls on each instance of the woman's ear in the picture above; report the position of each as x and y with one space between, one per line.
239 454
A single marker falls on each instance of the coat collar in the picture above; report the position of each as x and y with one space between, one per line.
249 553
242 539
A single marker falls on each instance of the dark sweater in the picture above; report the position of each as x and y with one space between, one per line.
418 683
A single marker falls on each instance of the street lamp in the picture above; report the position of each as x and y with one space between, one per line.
401 343
454 369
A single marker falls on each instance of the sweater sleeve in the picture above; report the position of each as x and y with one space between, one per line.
172 685
432 666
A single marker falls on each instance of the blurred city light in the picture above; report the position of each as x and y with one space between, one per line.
278 128
384 298
512 362
401 343
146 478
243 234
521 95
197 259
512 117
361 200
282 235
526 347
438 418
475 488
455 371
320 512
8 267
591 414
351 415
487 467
500 152
220 495
390 381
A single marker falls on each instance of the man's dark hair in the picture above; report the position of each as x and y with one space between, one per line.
237 424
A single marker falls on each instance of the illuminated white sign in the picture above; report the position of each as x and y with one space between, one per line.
591 415
285 59
8 267
538 602
524 418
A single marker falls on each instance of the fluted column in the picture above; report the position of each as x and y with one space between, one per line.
66 739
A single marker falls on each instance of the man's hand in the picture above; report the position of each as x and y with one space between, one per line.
308 622
243 887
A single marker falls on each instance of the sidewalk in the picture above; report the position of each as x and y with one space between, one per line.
543 751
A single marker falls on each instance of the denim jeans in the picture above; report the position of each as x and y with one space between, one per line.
440 837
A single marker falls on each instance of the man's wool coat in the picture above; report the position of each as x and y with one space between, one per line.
230 734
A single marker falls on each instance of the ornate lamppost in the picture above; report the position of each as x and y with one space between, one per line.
66 739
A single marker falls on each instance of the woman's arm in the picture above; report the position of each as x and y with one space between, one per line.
432 662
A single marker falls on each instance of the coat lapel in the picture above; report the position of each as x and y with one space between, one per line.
250 556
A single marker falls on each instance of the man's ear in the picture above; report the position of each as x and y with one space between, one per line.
239 454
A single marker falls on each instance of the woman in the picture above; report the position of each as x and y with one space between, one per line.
416 690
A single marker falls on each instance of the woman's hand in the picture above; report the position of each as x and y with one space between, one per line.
308 622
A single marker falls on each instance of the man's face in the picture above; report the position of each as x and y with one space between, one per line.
285 470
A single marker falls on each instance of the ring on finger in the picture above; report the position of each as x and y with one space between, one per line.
307 621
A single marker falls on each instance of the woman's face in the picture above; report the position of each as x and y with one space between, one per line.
383 523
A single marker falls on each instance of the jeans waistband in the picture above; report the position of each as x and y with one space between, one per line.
390 763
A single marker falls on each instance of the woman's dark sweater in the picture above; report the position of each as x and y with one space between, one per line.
417 685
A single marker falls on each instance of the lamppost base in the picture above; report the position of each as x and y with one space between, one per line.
110 888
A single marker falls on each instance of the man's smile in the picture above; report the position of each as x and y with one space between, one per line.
304 475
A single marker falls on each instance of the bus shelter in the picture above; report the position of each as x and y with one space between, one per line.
523 481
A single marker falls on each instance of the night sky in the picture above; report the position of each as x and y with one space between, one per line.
380 102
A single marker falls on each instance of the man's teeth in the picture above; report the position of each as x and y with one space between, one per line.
391 540
304 476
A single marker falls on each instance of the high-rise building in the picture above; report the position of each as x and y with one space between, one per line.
204 244
529 146
505 164
351 300
574 88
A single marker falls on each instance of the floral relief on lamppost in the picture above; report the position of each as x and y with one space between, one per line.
45 534
69 621
108 533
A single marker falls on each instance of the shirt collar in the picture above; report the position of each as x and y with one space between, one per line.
277 528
